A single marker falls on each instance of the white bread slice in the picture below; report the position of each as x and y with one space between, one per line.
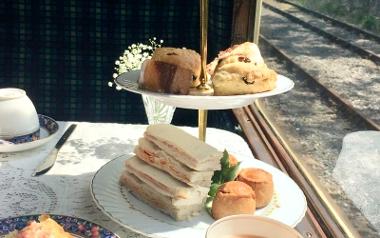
158 201
163 182
184 147
153 155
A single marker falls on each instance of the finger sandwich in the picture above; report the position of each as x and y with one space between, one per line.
149 152
171 171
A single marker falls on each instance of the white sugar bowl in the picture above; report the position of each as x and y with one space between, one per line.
18 117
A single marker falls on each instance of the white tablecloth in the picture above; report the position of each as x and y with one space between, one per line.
64 189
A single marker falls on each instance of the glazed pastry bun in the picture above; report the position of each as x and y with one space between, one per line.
261 182
233 198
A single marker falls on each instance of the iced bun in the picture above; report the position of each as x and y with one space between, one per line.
233 198
261 182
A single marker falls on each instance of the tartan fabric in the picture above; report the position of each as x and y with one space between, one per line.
63 52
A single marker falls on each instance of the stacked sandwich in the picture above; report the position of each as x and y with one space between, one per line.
171 171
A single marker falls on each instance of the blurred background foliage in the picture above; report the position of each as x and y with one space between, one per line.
363 13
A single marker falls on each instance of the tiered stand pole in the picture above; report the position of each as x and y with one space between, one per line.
202 114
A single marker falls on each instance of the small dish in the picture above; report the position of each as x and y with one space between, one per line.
48 129
248 226
78 227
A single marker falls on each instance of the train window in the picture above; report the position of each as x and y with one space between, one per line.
330 121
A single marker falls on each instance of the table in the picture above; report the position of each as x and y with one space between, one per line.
64 189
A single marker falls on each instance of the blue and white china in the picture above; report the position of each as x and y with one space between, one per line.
25 138
48 128
76 226
18 116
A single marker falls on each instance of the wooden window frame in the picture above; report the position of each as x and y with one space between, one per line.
266 145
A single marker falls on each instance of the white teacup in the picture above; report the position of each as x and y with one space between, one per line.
18 117
249 226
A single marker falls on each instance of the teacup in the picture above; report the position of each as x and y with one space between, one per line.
249 226
18 117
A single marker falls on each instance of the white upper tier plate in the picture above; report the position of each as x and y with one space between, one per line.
129 82
288 204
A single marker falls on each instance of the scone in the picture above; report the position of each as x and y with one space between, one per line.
185 58
241 70
233 198
243 78
171 70
261 182
247 52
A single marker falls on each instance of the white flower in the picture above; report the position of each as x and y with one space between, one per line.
133 57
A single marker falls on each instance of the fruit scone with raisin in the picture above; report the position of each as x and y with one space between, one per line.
240 69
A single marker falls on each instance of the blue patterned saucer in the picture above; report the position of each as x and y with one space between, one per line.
48 129
76 226
25 138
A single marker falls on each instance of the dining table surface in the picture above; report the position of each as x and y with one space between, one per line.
65 189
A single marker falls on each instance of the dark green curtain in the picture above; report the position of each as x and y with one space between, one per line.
63 52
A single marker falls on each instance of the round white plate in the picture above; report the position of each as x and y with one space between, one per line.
288 204
48 129
128 81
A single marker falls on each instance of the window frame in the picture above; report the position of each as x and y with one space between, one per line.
323 217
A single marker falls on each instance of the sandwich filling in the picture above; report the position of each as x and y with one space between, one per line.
185 147
153 155
163 182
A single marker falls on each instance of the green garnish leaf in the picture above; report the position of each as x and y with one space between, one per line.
225 174
213 189
208 204
232 172
224 160
217 177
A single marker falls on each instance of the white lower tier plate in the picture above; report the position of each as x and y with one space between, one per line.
128 81
287 206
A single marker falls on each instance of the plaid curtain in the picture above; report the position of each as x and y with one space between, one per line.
63 52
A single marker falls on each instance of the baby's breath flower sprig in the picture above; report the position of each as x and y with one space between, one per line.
134 56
